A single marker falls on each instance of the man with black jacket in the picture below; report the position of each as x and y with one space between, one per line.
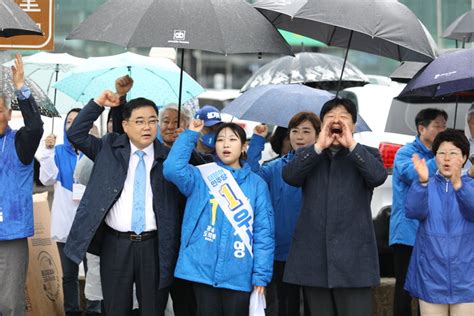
17 149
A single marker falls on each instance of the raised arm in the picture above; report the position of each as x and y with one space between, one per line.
404 166
256 146
27 138
416 206
122 87
297 169
78 134
176 167
369 164
48 172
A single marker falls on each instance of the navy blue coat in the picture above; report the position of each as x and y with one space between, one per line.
334 241
111 156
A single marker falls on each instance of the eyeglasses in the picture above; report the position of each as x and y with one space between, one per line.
142 122
451 154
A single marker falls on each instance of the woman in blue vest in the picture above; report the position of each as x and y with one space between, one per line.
441 270
227 240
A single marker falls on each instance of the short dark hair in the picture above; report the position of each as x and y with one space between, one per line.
457 137
276 140
334 103
426 116
135 104
300 117
237 129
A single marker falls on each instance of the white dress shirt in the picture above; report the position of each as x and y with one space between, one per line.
120 215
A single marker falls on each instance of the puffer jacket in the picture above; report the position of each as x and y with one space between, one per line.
441 269
207 253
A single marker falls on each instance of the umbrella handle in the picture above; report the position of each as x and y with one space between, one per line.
180 86
344 64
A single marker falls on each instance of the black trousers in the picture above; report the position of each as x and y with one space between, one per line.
182 294
402 299
339 301
283 299
124 262
213 301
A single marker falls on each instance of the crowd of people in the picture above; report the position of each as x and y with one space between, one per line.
167 205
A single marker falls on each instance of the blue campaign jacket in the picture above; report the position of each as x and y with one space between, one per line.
16 189
402 229
441 269
208 258
286 199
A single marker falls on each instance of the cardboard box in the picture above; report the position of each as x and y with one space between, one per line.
44 293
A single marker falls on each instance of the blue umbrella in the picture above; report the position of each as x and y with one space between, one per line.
451 73
154 78
276 104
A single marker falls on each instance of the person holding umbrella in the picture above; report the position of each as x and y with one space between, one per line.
17 149
333 254
303 130
227 240
441 271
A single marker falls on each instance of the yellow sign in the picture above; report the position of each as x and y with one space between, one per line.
42 12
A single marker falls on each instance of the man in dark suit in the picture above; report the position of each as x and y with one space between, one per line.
333 254
129 212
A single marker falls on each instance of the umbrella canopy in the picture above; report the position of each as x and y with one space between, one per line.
44 103
321 69
448 74
154 78
384 28
276 104
225 27
406 71
14 21
44 65
462 29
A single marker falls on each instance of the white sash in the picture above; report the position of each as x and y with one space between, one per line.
233 202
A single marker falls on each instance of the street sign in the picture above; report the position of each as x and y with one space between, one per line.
42 12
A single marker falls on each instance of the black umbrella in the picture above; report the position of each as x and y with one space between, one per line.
225 27
317 70
384 28
44 103
14 21
462 29
406 71
449 77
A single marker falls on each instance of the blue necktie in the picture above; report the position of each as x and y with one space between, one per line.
139 187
